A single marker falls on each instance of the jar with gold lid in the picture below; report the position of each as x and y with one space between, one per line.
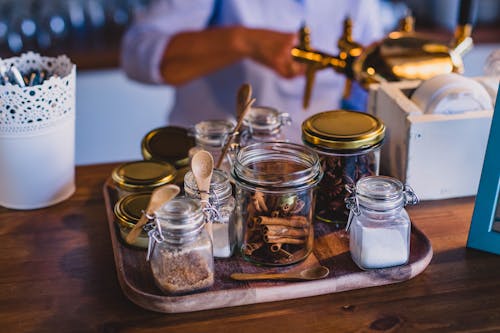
128 210
142 176
348 143
157 145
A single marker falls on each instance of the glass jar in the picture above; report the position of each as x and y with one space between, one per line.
348 143
263 124
379 226
220 212
212 135
157 145
275 184
128 210
142 176
180 250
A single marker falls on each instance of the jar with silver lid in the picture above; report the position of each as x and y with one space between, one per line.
264 124
212 135
180 249
142 176
220 211
379 226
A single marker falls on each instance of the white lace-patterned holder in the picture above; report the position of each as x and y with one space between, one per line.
37 135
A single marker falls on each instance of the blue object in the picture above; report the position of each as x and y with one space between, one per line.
482 236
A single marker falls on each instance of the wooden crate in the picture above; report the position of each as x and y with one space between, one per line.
439 156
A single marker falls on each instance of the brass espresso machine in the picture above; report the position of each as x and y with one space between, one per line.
402 55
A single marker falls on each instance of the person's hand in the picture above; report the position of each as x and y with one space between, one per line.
272 49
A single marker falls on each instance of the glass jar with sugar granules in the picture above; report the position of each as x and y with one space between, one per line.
220 211
275 184
379 226
348 143
180 249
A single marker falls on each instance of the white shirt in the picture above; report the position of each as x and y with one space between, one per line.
214 96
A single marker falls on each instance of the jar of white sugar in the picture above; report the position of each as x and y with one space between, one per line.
220 211
379 226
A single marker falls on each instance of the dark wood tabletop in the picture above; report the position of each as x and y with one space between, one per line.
58 275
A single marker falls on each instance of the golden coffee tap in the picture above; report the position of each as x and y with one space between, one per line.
402 55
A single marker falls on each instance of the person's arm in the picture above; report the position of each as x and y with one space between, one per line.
192 54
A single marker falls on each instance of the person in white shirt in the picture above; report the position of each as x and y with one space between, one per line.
208 48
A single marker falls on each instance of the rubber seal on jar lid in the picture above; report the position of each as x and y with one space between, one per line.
342 130
128 209
143 175
170 144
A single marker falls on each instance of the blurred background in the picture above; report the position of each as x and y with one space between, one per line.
113 113
89 31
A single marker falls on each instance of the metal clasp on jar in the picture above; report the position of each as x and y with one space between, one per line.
352 204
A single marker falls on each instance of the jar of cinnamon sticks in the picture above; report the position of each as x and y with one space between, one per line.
348 143
275 184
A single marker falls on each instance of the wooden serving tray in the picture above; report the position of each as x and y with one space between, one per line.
331 249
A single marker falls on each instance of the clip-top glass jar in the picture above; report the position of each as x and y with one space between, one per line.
180 249
142 176
275 184
379 226
220 212
263 124
212 135
348 143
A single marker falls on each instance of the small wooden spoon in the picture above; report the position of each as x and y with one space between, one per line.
244 103
243 98
160 196
311 273
202 165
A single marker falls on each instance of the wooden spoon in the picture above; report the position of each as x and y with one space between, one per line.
202 166
311 273
243 104
243 98
160 196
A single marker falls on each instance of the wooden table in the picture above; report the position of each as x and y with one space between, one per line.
58 275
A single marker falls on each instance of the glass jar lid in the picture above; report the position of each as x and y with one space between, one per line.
277 166
343 130
263 119
220 187
180 216
213 133
143 175
382 193
157 145
128 209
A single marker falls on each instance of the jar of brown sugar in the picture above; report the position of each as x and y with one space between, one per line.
348 143
180 249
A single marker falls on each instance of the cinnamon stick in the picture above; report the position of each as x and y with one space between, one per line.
259 202
283 240
252 247
285 231
296 221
